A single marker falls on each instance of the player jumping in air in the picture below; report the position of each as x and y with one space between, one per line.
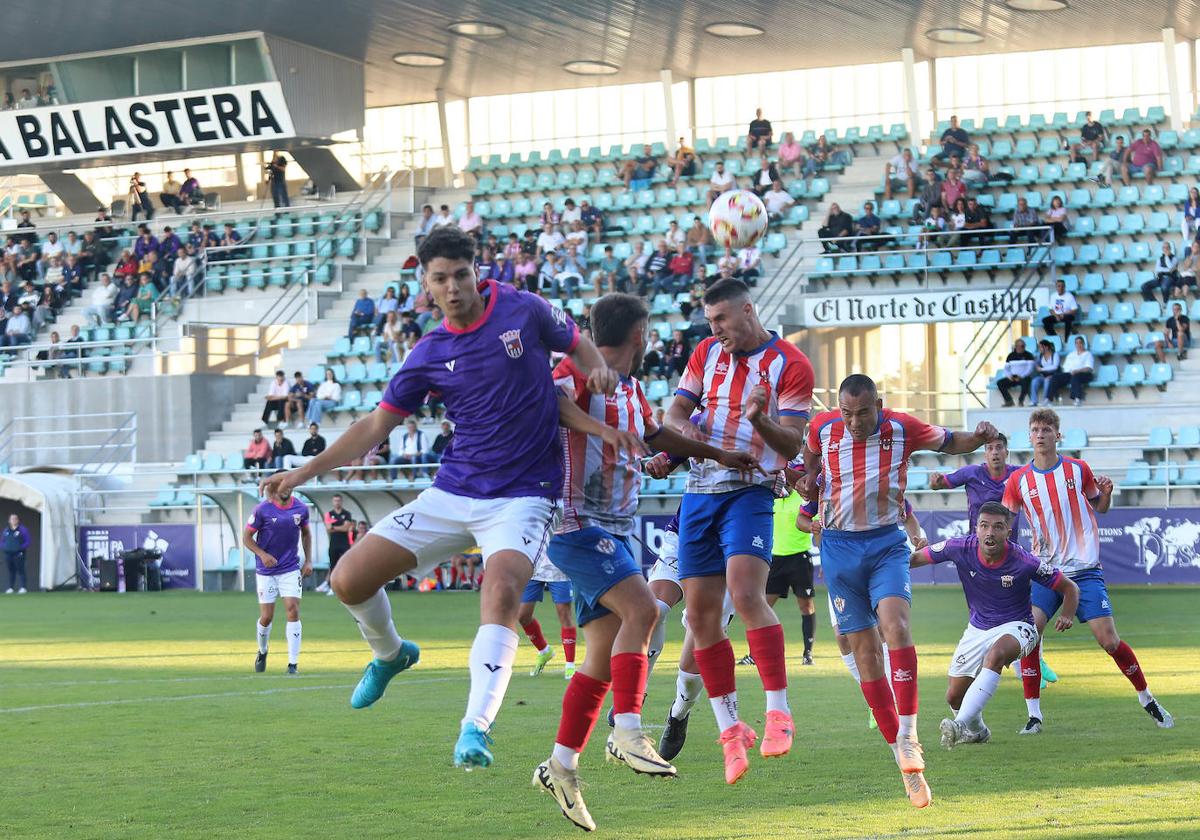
276 526
754 391
997 578
1061 497
863 450
498 483
592 546
548 578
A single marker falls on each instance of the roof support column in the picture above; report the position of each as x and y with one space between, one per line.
910 99
669 108
1173 108
447 174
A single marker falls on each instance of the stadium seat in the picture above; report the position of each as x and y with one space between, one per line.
1137 474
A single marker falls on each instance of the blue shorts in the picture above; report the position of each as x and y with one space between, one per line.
862 568
560 591
716 526
1093 596
595 561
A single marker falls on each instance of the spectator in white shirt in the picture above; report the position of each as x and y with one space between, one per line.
721 181
674 236
50 249
101 300
187 266
388 347
777 200
549 240
1078 368
470 222
749 260
424 224
1063 309
1018 371
276 401
577 238
635 264
329 394
901 171
411 449
1048 364
18 329
570 214
443 218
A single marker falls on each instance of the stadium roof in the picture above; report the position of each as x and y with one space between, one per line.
638 37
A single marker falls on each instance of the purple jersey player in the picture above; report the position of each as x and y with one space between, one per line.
997 578
499 480
273 534
983 482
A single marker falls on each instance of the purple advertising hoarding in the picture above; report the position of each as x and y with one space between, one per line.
176 542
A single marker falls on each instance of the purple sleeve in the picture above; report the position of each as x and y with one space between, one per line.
255 521
409 387
555 327
810 509
304 517
944 551
960 476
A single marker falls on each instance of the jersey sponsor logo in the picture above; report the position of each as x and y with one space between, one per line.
720 368
902 675
961 659
512 343
404 520
972 573
1006 581
1032 492
450 365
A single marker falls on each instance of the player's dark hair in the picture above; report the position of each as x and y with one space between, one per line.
1003 438
995 509
728 289
614 315
447 242
857 384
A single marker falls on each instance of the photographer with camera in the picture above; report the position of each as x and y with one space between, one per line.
277 174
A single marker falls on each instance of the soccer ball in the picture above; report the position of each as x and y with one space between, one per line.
737 219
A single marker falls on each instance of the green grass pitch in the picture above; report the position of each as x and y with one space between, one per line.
139 716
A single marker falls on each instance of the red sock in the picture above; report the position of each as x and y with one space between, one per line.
629 682
716 668
883 707
904 679
1031 675
534 631
580 710
766 646
568 643
1127 661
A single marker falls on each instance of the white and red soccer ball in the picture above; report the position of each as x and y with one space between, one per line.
737 219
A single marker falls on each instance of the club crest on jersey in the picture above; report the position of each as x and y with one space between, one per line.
296 518
885 444
1070 484
512 343
605 546
1033 492
1006 581
839 604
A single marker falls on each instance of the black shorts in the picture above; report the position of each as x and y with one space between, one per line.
790 571
335 554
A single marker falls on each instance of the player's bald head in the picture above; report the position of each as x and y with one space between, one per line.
858 385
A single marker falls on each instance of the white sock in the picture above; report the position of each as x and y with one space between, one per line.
908 727
777 701
566 756
687 692
491 660
977 696
1034 705
887 663
293 642
658 636
851 666
628 720
543 650
264 636
725 708
374 617
1144 696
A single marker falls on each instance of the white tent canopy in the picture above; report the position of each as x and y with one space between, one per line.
50 494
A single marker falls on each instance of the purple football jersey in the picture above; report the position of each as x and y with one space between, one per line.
495 380
277 532
995 594
981 487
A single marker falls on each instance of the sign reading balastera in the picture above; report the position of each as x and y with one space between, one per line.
920 307
142 124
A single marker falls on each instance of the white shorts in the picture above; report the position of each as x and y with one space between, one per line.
666 567
272 587
975 643
437 525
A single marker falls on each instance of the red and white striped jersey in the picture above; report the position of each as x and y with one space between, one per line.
720 382
865 480
1058 504
601 483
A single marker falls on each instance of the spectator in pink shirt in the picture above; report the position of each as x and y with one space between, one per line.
791 154
1146 155
258 454
953 189
470 221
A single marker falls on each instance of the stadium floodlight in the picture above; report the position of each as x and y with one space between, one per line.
954 35
1037 5
482 29
585 67
733 29
419 59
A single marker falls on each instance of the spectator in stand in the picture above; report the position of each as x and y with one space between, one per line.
674 236
1063 310
569 274
470 222
700 240
298 395
1024 224
610 273
550 216
53 354
677 354
525 272
930 195
74 276
101 300
593 219
142 305
388 303
683 269
768 174
1188 267
1092 136
170 194
411 449
185 272
1056 218
635 265
389 343
257 454
749 265
1178 331
440 442
71 245
281 448
760 133
1165 276
169 244
976 220
570 215
658 268
50 248
957 223
435 320
1078 368
835 233
92 254
189 191
230 240
953 189
954 142
1117 160
1046 369
410 330
791 155
276 400
652 358
362 316
720 182
329 395
577 238
1018 372
26 260
277 175
777 200
313 446
1191 215
639 172
145 243
821 153
974 168
54 273
1145 154
932 229
139 198
682 163
866 227
18 329
443 218
40 305
901 171
15 541
549 240
546 274
125 294
424 224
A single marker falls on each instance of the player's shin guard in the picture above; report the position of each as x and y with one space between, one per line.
629 687
904 684
717 670
580 711
533 631
767 648
1031 682
1127 661
883 706
976 698
490 661
374 617
568 642
658 636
